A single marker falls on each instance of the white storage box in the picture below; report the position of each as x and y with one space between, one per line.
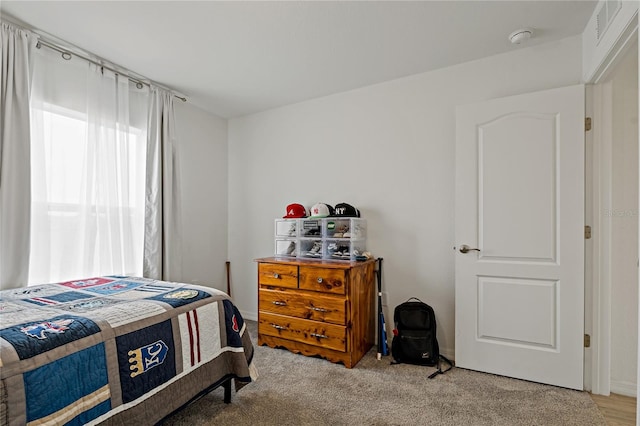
331 238
311 228
311 248
286 248
352 228
344 249
286 228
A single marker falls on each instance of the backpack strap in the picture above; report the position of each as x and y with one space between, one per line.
439 370
411 298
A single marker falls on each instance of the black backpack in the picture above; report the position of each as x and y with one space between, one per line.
414 337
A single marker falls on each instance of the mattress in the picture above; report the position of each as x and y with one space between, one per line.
115 350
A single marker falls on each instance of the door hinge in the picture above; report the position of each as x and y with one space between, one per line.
587 124
587 341
587 232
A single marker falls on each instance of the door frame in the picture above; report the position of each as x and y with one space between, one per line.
598 176
598 249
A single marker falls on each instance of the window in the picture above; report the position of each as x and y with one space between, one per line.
88 177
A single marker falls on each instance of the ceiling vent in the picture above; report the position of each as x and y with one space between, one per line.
608 11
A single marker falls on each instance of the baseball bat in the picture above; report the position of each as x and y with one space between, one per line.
383 348
228 278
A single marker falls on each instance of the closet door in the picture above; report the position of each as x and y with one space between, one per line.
520 236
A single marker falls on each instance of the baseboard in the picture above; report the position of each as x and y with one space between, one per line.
624 388
249 315
449 354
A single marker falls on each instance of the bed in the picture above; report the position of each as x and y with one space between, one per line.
116 350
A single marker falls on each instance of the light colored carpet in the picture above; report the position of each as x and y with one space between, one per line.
297 390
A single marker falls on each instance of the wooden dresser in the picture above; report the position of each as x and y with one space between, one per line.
316 307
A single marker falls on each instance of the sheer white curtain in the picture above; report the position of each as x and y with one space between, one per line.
17 46
162 242
88 171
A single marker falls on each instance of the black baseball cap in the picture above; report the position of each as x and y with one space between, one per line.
346 210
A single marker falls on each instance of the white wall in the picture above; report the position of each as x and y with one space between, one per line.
624 227
202 152
388 149
638 220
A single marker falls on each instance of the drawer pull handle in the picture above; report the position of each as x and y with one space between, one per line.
279 303
276 275
319 280
319 336
313 308
278 327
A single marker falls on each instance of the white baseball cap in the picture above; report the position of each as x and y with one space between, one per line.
321 210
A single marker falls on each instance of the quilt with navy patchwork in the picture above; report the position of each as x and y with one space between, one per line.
115 350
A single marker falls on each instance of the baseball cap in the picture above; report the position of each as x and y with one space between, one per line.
295 211
321 210
346 210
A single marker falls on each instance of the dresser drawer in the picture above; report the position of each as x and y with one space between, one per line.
311 306
326 280
278 275
314 333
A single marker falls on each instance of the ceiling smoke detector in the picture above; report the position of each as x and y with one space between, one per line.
520 36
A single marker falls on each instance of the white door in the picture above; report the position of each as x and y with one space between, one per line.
520 203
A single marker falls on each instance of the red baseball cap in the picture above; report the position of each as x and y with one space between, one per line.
295 211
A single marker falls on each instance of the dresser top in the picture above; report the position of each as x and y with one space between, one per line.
337 264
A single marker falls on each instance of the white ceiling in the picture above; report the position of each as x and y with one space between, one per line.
235 58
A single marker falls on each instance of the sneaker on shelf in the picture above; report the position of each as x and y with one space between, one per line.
291 248
292 230
343 252
315 250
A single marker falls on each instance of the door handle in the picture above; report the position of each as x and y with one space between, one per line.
466 249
